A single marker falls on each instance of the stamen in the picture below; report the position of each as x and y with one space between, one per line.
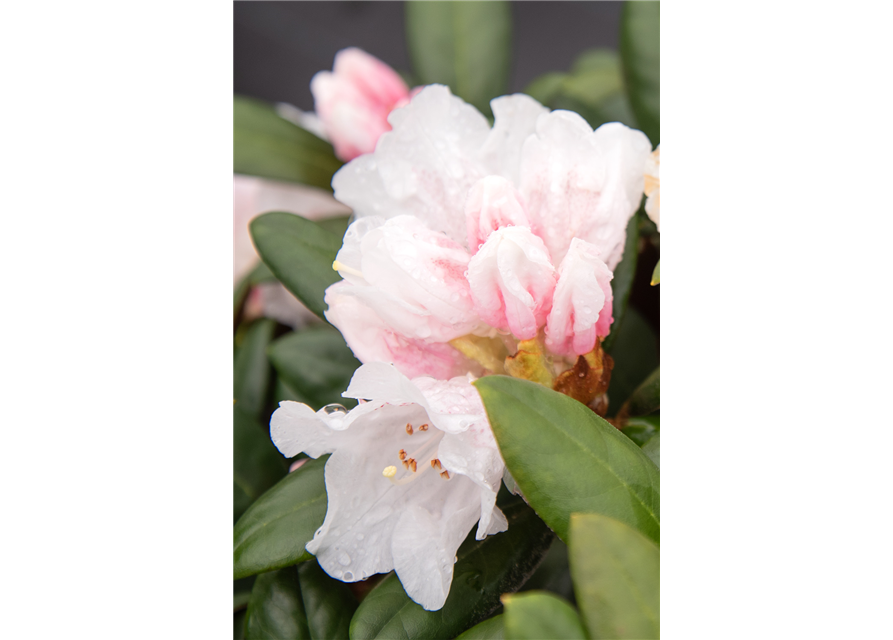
389 472
402 454
424 427
408 428
445 474
406 464
412 464
341 267
435 464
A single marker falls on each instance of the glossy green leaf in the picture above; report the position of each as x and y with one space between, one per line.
329 603
251 369
315 362
257 464
300 254
536 615
566 458
641 429
490 629
593 88
634 350
640 55
272 533
646 398
268 146
464 45
276 611
485 570
622 283
616 573
652 449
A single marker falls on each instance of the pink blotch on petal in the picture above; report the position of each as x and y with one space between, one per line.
492 203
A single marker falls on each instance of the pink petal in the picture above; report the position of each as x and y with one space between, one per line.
493 203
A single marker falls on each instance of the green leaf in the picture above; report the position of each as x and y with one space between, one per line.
624 274
272 533
642 428
616 573
268 146
566 458
300 254
329 603
251 370
645 399
336 226
485 570
640 55
553 574
593 88
490 629
239 624
652 449
535 615
655 277
315 362
257 464
465 45
635 355
276 611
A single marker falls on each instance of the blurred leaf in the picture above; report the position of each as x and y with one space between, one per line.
257 464
490 629
535 615
566 458
655 277
300 254
242 592
276 611
553 574
274 530
593 88
329 603
645 399
335 226
485 570
465 45
652 449
634 350
616 573
640 55
251 370
315 362
239 624
641 429
624 274
266 145
282 391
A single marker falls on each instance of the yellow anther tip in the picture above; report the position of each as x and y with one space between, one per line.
389 472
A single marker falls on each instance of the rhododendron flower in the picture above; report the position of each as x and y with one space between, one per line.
472 240
659 187
411 471
354 99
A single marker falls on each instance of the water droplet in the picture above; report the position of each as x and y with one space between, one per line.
337 574
330 409
348 576
360 536
344 559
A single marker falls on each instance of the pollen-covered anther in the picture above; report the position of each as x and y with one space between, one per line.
412 463
402 454
389 472
435 464
424 427
406 464
408 428
445 475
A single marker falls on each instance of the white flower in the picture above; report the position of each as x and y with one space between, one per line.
411 471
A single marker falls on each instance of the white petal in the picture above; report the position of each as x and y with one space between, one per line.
580 183
296 428
383 383
515 120
424 167
493 203
454 405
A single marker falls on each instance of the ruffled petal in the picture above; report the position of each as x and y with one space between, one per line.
512 280
515 120
582 183
493 203
424 167
583 302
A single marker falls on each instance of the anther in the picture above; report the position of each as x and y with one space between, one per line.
406 464
424 427
435 464
412 463
408 428
389 472
445 475
402 454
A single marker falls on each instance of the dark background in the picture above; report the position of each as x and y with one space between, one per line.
278 46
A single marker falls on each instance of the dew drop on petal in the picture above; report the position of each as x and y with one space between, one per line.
360 536
330 409
344 559
348 576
